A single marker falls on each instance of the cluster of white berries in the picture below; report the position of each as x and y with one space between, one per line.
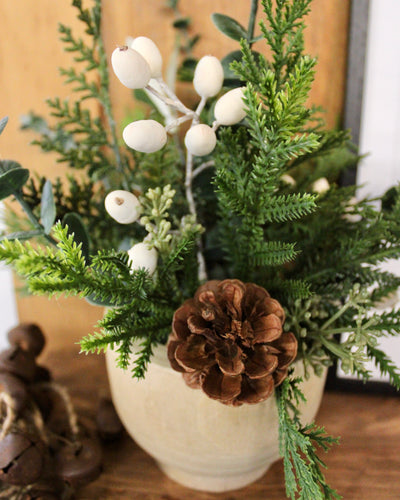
139 66
125 208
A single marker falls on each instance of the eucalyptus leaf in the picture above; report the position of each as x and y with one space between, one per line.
47 207
229 26
3 123
229 75
76 227
142 96
98 301
187 69
256 39
22 235
12 178
181 23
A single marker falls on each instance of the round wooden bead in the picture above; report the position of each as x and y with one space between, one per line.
42 374
79 466
18 362
21 459
108 424
28 336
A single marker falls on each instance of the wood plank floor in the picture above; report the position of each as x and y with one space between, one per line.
366 466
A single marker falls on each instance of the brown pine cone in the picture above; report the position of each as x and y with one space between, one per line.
228 341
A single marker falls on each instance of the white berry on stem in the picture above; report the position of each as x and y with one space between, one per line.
208 76
122 206
131 68
200 140
141 256
230 108
321 185
150 52
145 136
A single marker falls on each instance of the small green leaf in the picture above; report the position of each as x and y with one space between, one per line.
182 23
77 228
22 235
47 207
186 70
256 39
229 27
141 95
172 4
236 55
226 62
3 123
12 178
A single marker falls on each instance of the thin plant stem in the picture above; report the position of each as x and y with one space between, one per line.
177 122
199 109
252 21
105 101
202 274
202 167
337 315
31 216
170 100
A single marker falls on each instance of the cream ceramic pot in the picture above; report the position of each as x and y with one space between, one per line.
196 441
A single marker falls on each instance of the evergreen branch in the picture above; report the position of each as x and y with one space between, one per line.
302 466
273 253
385 365
289 207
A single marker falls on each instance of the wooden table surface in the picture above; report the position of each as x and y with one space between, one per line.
366 466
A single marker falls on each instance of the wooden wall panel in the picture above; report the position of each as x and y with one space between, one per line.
30 54
326 37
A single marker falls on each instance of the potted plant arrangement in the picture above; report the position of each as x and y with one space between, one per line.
228 258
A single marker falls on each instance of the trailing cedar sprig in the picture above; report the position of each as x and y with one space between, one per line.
297 443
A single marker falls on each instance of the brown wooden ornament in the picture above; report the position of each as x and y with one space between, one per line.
18 362
28 336
79 465
21 459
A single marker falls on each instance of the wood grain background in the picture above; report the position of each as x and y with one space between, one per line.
30 54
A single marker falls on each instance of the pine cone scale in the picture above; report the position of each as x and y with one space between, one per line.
256 390
229 359
222 387
267 328
192 354
261 363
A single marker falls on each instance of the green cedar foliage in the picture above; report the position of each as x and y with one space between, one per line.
297 443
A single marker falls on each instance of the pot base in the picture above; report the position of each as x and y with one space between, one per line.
215 483
196 441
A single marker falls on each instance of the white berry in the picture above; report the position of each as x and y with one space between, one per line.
208 76
149 50
230 108
141 256
288 179
146 136
200 140
321 185
122 206
131 69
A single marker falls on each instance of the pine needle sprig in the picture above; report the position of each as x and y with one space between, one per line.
285 34
385 365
